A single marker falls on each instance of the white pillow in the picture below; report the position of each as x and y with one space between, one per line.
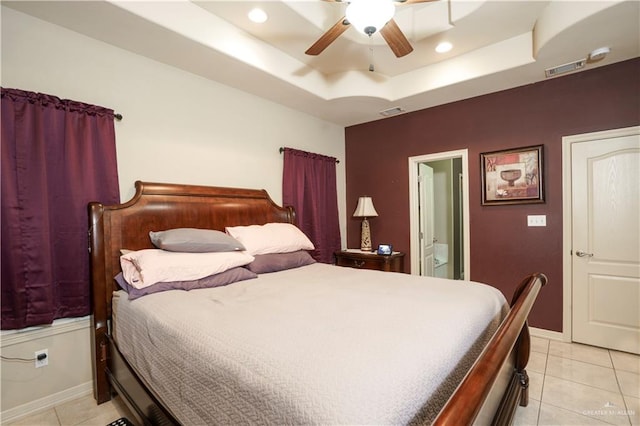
271 238
143 268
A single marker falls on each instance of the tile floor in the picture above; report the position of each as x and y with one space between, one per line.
573 384
81 412
570 384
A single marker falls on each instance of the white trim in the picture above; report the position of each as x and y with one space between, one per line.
413 206
567 233
547 334
567 213
14 337
47 402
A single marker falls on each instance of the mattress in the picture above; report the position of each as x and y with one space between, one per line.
319 344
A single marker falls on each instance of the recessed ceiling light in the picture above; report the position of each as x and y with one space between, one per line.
444 47
258 15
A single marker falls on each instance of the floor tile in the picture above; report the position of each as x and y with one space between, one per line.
580 352
538 344
536 381
582 372
44 418
101 419
550 415
625 361
123 410
629 383
633 409
537 362
527 416
84 409
584 400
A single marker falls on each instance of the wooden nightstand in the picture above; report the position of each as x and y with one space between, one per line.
366 260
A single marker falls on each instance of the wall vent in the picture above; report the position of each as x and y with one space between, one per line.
561 69
392 111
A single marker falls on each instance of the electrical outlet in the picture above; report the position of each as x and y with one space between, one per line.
42 358
537 220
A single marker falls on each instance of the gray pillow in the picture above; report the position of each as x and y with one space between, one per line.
192 240
274 262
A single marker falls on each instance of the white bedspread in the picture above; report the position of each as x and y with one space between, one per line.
319 344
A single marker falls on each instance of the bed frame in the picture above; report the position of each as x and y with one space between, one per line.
489 393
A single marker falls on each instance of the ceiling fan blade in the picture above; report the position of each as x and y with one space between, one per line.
395 39
328 37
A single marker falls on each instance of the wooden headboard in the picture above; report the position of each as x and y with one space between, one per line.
158 207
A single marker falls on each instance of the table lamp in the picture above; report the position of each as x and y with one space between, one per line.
364 210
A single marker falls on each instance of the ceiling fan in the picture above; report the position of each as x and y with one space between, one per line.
368 16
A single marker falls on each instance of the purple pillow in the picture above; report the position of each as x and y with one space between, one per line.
216 280
274 262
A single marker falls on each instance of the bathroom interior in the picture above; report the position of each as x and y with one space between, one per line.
448 220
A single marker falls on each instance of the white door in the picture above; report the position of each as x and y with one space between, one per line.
425 187
605 186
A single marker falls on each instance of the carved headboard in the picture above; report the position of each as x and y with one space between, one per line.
157 207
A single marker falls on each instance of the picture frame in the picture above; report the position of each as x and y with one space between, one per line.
385 249
513 176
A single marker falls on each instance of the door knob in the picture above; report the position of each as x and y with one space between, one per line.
581 253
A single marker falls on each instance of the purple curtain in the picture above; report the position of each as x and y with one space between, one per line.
309 185
57 155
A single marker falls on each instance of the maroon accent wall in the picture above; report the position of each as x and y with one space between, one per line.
503 248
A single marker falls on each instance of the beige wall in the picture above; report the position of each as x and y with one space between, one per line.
177 127
27 389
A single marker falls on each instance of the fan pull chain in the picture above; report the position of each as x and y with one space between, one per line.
371 67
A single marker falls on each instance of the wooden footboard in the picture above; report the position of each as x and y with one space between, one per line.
489 393
476 398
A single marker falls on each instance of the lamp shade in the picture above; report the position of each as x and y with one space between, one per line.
365 208
369 16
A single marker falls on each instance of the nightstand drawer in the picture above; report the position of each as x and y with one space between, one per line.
363 260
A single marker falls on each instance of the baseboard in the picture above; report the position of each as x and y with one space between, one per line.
47 402
547 334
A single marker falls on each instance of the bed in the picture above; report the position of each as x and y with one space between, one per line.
313 344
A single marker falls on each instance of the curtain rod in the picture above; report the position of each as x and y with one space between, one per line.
282 150
117 116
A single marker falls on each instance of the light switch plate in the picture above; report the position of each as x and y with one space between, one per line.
537 220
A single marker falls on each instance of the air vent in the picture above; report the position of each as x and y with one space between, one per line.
392 111
552 72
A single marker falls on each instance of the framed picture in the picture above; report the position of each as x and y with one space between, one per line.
385 249
512 176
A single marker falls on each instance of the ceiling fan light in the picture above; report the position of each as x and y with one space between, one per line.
369 16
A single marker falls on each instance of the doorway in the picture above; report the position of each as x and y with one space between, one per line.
439 214
601 259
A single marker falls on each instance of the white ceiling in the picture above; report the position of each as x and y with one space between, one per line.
497 45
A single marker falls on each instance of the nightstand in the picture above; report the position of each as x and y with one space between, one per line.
370 260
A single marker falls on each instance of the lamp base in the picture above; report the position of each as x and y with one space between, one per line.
365 236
